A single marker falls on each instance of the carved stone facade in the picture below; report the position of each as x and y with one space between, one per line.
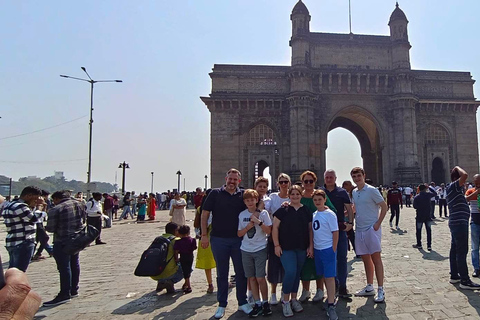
413 125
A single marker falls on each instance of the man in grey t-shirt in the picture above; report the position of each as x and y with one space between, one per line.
368 233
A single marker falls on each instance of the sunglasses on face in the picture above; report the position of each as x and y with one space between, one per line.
283 182
308 181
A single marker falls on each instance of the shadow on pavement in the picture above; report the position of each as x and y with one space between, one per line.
188 308
473 298
148 303
372 310
399 232
432 255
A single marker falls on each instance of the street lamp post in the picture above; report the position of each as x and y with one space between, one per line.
206 177
123 166
91 81
152 184
179 173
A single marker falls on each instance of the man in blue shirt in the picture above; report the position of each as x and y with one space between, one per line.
421 203
225 205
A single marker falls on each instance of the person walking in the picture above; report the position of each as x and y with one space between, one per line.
93 209
108 204
421 203
178 209
64 221
21 222
152 206
472 198
394 203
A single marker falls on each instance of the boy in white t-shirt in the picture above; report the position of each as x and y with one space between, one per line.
254 226
325 241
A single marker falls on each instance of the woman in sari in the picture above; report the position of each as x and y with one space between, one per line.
152 206
142 208
177 209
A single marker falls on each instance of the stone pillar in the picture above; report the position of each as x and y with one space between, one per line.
404 132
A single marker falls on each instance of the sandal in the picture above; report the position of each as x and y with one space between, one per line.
187 290
210 288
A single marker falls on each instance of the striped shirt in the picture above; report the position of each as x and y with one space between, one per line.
457 204
20 221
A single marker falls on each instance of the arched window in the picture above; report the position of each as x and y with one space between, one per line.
261 135
436 134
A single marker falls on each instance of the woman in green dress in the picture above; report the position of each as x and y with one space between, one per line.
309 180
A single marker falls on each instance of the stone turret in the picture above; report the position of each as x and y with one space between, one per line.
300 31
399 37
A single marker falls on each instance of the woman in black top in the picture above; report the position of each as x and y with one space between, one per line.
292 232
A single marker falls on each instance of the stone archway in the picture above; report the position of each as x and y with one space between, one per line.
438 171
362 124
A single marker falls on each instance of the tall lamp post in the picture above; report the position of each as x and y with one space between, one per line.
152 183
179 173
91 81
123 166
206 177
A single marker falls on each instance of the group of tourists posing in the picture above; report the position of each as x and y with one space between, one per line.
297 234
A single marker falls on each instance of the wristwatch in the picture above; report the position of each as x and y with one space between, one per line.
260 224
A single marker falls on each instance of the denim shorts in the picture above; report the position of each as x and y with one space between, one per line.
254 263
326 262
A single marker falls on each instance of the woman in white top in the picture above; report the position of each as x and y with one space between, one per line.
275 270
177 209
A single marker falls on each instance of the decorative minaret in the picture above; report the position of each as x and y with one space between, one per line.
403 131
301 100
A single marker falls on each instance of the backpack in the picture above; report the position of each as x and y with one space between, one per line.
154 260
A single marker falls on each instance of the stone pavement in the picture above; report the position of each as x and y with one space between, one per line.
416 282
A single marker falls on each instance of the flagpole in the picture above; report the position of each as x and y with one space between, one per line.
350 15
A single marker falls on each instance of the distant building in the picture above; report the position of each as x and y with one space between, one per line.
59 175
412 125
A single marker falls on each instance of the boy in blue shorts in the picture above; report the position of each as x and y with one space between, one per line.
325 241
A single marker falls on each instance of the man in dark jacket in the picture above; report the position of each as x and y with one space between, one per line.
421 203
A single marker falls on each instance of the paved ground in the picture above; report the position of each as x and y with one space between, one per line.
416 282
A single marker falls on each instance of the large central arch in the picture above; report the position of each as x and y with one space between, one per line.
365 128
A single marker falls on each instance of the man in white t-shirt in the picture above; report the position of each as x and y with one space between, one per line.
408 196
254 226
368 232
93 209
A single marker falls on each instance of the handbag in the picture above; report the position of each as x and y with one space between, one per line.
81 240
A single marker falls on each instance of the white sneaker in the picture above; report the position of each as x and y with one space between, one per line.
296 306
380 296
246 308
273 299
365 292
319 295
220 313
287 309
305 296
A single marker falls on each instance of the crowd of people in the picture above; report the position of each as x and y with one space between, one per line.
296 235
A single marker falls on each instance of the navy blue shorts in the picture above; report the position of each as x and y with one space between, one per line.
326 262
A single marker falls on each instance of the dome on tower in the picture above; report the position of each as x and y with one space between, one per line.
398 14
300 8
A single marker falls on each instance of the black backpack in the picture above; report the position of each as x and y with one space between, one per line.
154 259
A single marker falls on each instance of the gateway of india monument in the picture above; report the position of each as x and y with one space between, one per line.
413 126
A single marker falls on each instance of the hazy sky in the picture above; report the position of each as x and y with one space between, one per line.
163 51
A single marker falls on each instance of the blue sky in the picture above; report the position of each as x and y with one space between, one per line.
163 51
